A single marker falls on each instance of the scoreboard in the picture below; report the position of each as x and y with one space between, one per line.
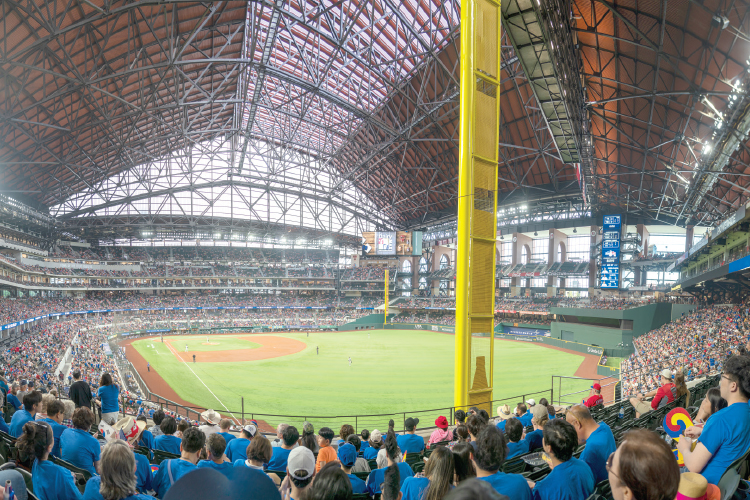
609 270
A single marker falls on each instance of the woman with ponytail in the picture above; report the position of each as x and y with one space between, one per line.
51 482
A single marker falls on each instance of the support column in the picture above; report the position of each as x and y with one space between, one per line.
477 202
689 237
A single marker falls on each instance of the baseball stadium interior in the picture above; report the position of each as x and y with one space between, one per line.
375 250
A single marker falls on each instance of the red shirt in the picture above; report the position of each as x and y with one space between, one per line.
594 400
667 390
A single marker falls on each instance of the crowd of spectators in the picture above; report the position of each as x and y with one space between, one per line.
695 344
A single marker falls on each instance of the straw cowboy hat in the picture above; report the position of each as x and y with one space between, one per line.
211 417
128 429
693 486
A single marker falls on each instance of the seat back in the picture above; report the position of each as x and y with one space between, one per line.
728 483
160 455
514 466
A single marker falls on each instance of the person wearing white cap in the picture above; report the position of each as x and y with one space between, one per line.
237 448
300 470
212 422
662 396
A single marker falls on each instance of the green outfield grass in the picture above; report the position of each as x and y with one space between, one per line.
392 371
217 343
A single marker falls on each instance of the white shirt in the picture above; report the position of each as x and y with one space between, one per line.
209 429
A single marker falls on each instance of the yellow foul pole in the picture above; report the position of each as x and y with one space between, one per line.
385 316
477 201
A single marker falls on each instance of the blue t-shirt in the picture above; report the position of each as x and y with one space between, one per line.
228 436
501 425
599 446
278 460
146 439
414 487
12 399
571 480
376 477
535 439
108 394
179 467
517 449
57 430
143 474
3 426
358 486
364 445
17 422
526 418
514 486
52 482
168 443
80 449
371 453
726 436
410 443
224 467
237 449
92 491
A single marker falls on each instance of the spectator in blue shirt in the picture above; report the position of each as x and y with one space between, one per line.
50 481
504 413
726 435
438 478
168 441
410 442
108 396
215 446
32 402
330 483
539 419
488 459
224 425
146 439
373 445
375 479
598 438
55 413
12 399
79 447
289 437
172 470
118 479
516 445
570 479
523 414
643 467
237 449
347 455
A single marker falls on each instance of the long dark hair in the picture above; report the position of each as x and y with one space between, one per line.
36 438
331 483
462 461
308 438
106 379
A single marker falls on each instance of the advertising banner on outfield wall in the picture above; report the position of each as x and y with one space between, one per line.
513 330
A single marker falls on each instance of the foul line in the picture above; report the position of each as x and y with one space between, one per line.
202 382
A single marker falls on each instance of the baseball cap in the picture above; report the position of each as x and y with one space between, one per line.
250 429
411 423
530 402
347 455
596 387
301 463
538 411
666 373
376 436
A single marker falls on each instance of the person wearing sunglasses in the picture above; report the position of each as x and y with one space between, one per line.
643 468
726 435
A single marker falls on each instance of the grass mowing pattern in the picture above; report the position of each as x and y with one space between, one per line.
392 371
